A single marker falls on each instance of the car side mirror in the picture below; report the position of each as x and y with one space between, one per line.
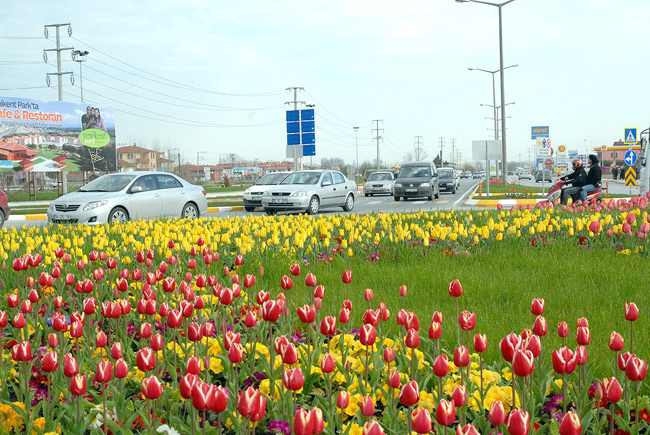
326 183
136 189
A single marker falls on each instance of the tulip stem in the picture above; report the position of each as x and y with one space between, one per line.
564 398
410 419
204 421
611 418
636 404
154 420
104 404
192 418
366 371
482 395
631 337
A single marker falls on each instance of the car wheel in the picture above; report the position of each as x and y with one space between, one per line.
453 192
367 194
396 198
314 205
249 209
118 214
430 197
190 211
349 203
437 195
2 218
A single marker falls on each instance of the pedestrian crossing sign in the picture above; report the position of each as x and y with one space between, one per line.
629 136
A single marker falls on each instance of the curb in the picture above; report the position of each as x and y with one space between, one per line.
42 217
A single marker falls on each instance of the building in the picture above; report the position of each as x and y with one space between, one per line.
135 158
15 151
615 153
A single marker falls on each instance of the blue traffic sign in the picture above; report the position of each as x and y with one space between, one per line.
301 130
630 158
629 136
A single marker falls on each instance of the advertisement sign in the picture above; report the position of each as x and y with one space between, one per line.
544 147
539 131
492 147
55 136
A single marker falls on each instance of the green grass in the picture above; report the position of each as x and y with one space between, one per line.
47 195
237 188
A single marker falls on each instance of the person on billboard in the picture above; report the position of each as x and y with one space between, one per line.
88 119
99 121
593 177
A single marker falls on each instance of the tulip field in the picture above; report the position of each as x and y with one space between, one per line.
469 322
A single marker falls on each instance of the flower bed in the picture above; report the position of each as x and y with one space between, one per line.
175 327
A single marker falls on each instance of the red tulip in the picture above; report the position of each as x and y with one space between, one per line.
584 336
347 276
368 294
104 371
459 396
623 359
186 385
328 326
310 280
412 339
508 345
78 385
121 369
409 394
146 359
286 283
343 399
594 226
563 329
445 412
631 312
316 418
616 342
368 335
302 424
441 366
468 429
581 355
221 396
151 387
612 390
19 321
389 354
372 428
371 317
455 289
403 290
435 330
236 353
497 414
251 319
582 322
564 361
50 362
571 424
52 340
344 316
306 313
328 363
319 291
293 379
636 369
518 422
201 395
523 363
289 354
70 366
467 321
421 421
394 380
540 328
411 321
367 406
480 343
534 345
249 402
271 311
461 356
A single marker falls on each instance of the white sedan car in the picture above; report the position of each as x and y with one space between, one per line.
128 196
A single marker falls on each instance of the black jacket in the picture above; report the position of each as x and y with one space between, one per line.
594 175
578 178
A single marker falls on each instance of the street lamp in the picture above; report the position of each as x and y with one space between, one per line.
494 97
356 142
503 92
80 56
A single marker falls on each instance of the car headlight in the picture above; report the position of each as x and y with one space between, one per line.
425 184
398 184
300 193
247 191
386 184
94 204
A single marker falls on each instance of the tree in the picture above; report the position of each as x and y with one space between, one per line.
332 163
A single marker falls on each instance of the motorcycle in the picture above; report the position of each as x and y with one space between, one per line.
555 194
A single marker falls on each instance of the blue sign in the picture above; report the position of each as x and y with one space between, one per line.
629 136
539 131
630 158
301 130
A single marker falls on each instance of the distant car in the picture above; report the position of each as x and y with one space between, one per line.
4 208
129 196
310 191
525 173
253 195
466 174
417 179
447 179
542 175
378 183
478 174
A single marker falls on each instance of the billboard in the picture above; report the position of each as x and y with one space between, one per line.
55 136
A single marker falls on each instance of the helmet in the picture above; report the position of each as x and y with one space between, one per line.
577 163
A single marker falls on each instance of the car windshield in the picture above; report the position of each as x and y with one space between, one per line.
445 173
302 178
270 179
108 183
380 177
415 172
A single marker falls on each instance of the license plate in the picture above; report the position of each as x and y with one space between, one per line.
411 190
279 201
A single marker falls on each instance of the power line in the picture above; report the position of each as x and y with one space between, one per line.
178 84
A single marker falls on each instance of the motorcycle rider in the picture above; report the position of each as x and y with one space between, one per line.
577 179
593 178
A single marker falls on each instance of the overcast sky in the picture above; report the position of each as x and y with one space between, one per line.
174 70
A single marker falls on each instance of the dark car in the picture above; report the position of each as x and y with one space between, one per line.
4 208
447 179
542 175
466 174
417 179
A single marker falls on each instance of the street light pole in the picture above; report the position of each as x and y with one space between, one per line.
80 56
198 172
503 91
494 95
356 143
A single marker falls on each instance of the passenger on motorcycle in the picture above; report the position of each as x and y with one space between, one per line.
577 179
593 177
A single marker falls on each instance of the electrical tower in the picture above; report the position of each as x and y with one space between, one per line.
441 140
377 137
58 50
453 150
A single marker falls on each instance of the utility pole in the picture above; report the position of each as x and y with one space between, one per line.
296 161
453 150
58 50
80 57
418 148
356 142
377 137
442 144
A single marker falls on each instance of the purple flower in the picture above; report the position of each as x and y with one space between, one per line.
280 426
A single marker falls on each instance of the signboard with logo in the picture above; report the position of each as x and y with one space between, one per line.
539 131
544 147
55 136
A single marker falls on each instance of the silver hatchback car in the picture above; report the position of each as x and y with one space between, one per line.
379 182
310 191
128 196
